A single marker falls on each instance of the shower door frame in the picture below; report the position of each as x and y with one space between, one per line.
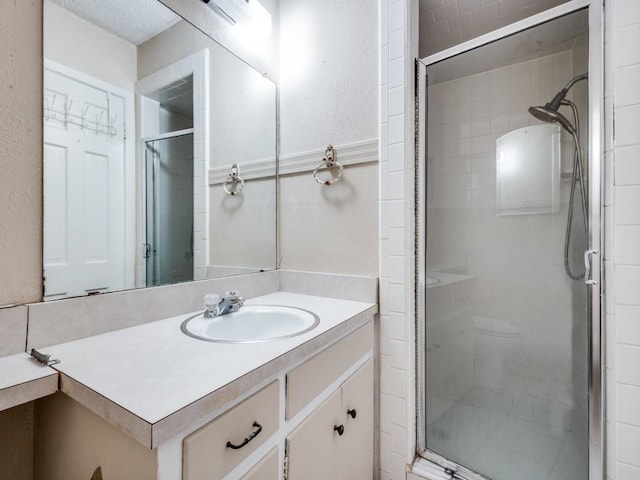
145 203
596 175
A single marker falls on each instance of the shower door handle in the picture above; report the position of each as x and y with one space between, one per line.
587 267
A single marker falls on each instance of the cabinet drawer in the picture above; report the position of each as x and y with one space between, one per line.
306 381
205 452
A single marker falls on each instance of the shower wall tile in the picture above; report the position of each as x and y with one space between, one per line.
627 12
627 280
625 37
627 91
627 244
627 121
627 445
627 361
627 169
626 204
627 326
627 401
626 471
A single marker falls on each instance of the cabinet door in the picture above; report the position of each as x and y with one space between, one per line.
266 469
314 446
356 454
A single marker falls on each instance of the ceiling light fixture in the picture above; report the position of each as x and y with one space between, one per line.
248 14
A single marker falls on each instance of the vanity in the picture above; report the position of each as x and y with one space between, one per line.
149 402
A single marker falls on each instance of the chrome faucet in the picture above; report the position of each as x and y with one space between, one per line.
215 305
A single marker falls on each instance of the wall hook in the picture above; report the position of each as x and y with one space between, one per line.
329 162
235 179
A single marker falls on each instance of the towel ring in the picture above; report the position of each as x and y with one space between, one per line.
328 162
235 179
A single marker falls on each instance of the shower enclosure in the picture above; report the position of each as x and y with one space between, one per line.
508 219
169 209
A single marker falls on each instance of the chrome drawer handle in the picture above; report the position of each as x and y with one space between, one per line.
254 434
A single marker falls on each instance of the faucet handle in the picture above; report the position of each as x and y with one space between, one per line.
211 302
232 293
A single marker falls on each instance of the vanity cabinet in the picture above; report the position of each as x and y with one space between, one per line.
295 411
336 440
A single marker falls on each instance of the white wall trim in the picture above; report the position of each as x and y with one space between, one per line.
348 154
264 168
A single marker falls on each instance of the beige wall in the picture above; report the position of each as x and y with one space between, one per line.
21 151
20 198
16 442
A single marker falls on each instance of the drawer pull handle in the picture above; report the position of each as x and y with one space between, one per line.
339 429
352 413
254 434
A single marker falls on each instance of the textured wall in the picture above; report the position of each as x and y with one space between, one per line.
21 151
328 92
20 197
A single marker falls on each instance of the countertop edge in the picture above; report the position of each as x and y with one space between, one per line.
115 414
32 381
28 391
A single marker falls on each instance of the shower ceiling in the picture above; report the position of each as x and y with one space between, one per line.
445 23
545 39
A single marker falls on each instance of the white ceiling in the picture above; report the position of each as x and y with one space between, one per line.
445 23
134 20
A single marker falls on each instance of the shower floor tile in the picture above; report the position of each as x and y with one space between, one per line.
494 433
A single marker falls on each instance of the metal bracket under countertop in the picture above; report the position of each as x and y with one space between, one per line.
43 358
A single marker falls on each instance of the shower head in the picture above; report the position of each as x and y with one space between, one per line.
549 113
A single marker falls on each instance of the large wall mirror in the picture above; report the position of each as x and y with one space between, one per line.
149 125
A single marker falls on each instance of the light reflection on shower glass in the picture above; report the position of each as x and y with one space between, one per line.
506 328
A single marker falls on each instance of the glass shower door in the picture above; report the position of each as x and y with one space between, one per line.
169 210
506 329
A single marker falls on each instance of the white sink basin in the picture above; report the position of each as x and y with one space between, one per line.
252 323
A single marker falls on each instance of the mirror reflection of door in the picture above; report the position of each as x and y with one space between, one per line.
169 209
84 185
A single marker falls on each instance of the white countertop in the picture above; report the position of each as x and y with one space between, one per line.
23 379
153 381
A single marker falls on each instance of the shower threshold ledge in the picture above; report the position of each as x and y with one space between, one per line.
423 469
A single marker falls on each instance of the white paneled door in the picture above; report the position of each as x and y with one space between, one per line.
84 188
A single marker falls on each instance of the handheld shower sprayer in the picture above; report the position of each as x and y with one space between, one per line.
550 114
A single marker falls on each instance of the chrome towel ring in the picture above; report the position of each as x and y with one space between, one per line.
328 161
234 184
